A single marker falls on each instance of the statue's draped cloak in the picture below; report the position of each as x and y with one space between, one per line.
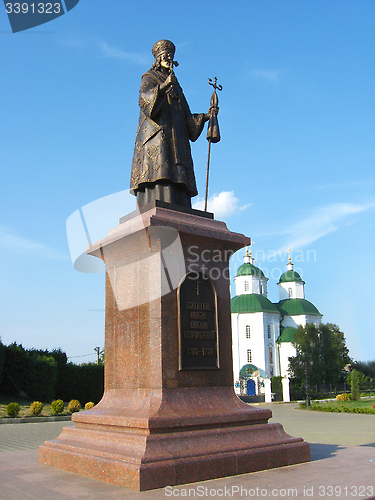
162 149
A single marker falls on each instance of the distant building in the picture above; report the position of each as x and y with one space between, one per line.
262 332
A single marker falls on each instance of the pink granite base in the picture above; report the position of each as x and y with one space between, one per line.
216 435
158 425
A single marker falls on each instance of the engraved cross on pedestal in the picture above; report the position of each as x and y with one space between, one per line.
197 289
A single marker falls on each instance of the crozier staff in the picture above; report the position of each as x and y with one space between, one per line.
162 167
213 131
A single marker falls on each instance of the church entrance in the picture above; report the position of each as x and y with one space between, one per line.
251 388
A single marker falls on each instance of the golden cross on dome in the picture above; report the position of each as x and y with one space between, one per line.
249 249
289 258
248 258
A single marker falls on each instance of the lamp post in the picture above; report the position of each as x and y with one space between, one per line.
307 388
305 365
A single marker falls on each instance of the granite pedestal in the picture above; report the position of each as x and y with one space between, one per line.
169 414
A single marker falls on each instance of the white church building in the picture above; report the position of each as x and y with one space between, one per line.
262 331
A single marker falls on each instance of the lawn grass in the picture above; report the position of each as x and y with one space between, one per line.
362 406
25 407
362 403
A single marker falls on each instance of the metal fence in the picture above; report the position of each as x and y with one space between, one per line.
328 391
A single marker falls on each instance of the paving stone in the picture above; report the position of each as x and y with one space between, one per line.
342 466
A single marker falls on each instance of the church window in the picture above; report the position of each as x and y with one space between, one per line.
249 356
271 371
269 331
271 355
290 292
247 287
248 332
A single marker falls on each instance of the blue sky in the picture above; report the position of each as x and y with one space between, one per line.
295 165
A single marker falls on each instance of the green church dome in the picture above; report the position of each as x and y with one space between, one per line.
289 276
252 302
248 269
287 335
247 371
296 307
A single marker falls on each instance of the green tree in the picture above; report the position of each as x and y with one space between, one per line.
101 357
321 354
362 379
334 353
366 367
29 371
306 361
2 359
84 382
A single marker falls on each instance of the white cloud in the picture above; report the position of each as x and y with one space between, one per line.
23 246
222 205
105 49
324 221
270 75
75 42
113 52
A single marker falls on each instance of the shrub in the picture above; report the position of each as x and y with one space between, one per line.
355 390
46 375
12 409
89 405
277 388
40 376
344 409
57 406
82 382
36 408
302 406
30 371
74 405
342 397
333 409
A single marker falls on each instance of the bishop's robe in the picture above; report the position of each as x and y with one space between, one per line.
166 125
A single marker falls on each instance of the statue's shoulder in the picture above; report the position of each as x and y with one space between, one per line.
153 76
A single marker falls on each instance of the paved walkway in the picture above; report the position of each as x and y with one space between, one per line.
346 429
342 466
22 437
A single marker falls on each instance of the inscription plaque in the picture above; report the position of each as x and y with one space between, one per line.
198 333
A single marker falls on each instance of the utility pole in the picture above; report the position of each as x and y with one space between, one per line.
97 349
